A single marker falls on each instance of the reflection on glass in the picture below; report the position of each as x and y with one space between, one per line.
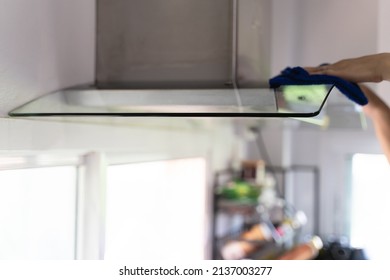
302 98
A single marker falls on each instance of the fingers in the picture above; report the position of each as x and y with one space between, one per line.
312 70
319 70
357 70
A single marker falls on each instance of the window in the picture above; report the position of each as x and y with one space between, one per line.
37 213
370 228
156 210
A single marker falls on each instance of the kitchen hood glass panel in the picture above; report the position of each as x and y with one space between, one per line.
288 101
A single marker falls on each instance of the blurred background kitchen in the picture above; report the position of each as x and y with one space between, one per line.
188 188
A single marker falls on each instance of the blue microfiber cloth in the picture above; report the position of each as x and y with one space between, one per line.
299 76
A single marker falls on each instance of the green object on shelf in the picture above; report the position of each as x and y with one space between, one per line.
308 94
240 191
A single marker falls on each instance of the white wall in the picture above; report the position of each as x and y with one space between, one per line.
45 45
311 32
336 29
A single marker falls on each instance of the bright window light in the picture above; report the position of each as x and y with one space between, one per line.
156 210
370 228
37 213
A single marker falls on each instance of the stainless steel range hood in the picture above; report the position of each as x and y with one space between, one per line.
182 58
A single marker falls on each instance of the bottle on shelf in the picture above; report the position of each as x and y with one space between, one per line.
249 242
287 228
305 251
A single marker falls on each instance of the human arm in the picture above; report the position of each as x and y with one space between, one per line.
369 68
378 111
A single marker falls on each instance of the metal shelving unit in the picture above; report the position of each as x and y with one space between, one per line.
250 213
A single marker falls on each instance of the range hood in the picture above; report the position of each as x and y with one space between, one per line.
183 58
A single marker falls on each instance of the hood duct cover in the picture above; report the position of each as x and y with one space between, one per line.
182 58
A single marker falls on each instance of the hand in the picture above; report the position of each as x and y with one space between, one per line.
371 68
